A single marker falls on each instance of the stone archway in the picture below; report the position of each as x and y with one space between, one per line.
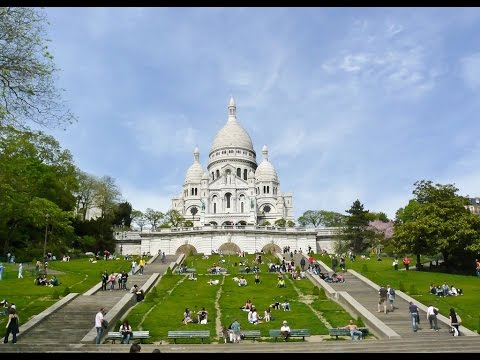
273 248
186 249
229 248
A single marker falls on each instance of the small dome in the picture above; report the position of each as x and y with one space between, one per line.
195 171
265 171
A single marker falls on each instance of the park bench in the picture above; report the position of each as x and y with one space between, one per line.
139 334
303 333
188 334
250 334
344 332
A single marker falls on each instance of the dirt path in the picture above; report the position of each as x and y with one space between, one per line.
218 319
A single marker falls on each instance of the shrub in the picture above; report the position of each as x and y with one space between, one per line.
55 294
66 291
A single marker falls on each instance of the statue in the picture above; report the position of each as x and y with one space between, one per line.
203 204
252 203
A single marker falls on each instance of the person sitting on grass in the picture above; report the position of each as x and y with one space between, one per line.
281 283
187 316
202 316
242 281
53 281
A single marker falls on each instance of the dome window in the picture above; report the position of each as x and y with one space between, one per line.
245 173
266 208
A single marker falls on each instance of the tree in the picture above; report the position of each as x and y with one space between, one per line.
123 214
355 230
27 86
86 193
280 222
139 219
318 218
153 217
173 218
107 195
437 220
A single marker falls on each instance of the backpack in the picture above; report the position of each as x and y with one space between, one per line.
392 291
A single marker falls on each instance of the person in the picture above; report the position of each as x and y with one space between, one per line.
202 316
20 271
257 278
248 305
141 263
302 263
267 316
242 281
414 315
236 331
2 268
104 280
155 350
226 334
286 305
382 292
395 264
454 322
112 279
477 267
12 326
99 317
285 330
187 316
53 281
281 282
135 348
406 262
354 331
432 317
334 264
134 289
126 332
253 316
391 297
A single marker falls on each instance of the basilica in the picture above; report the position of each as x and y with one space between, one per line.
234 189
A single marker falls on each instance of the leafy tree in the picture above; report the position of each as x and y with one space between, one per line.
437 220
86 192
154 217
107 195
27 86
318 218
381 216
123 214
173 218
280 222
356 231
290 223
137 215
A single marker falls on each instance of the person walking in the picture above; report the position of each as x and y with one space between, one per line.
432 317
455 322
406 262
414 315
99 319
391 297
236 331
302 263
20 271
382 293
2 268
12 326
104 280
354 331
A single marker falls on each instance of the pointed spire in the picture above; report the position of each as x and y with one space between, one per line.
196 154
232 109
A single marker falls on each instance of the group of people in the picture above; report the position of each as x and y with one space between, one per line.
120 279
445 290
201 317
43 281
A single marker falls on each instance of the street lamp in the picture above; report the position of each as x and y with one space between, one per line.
47 217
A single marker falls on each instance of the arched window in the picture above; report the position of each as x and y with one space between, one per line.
264 189
241 208
228 196
239 172
218 173
268 189
196 191
214 208
192 192
213 175
245 173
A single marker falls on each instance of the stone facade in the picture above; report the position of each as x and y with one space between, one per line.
234 190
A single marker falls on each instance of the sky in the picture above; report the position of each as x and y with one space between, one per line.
352 103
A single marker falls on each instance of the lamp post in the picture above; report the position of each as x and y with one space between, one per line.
47 217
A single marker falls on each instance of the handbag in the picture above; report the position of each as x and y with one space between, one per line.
104 324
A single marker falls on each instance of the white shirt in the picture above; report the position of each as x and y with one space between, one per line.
285 328
98 319
430 310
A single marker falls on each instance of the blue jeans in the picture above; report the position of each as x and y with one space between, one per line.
99 335
126 339
357 333
414 321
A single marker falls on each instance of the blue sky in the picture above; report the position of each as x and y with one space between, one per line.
352 103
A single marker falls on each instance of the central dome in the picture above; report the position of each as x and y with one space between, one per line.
232 134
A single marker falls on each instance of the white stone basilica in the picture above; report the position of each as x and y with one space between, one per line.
234 190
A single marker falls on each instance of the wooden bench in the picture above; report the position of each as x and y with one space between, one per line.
303 333
344 332
250 334
140 334
188 334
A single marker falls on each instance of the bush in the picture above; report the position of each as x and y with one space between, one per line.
55 294
66 291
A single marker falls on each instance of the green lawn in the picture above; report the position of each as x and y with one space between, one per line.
78 275
417 285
